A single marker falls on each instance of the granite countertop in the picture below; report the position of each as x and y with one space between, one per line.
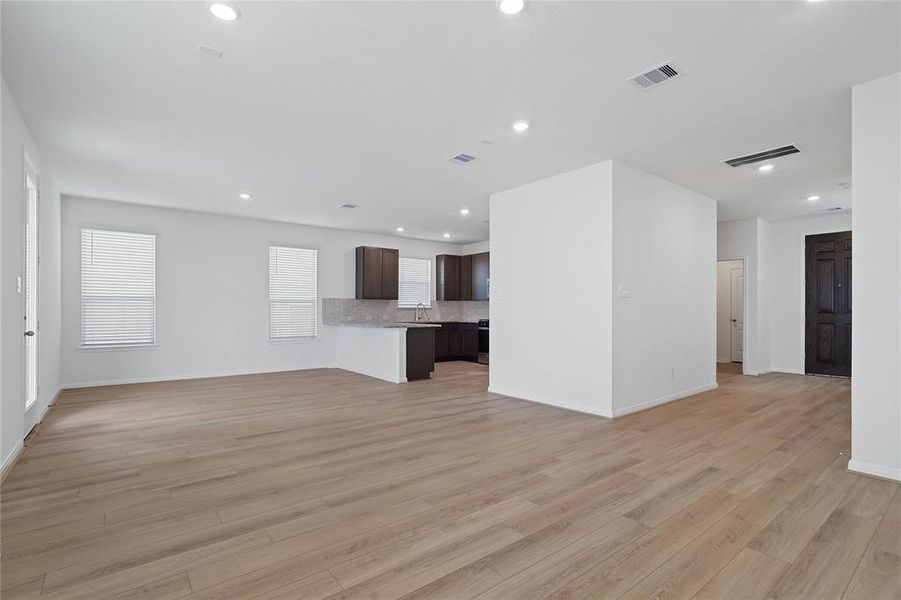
385 325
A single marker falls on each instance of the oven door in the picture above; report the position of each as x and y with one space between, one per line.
483 340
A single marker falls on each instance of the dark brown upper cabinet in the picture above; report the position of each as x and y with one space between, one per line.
447 282
481 274
466 278
462 277
376 273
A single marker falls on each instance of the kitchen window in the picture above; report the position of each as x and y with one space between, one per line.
414 282
118 288
292 292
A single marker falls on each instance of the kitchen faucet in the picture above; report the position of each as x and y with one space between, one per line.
424 312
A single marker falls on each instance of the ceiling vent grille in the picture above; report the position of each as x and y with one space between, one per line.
655 76
757 157
209 50
463 159
350 205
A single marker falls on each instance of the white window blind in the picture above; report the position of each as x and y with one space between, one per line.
414 282
118 288
292 292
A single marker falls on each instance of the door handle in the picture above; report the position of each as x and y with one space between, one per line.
735 320
29 333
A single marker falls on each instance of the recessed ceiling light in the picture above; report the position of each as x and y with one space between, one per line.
400 229
244 196
511 7
224 11
464 211
520 126
765 168
447 235
812 198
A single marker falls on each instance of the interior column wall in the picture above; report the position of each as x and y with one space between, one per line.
551 278
664 252
876 291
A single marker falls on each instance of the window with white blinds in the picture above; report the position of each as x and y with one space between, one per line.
292 292
414 282
118 288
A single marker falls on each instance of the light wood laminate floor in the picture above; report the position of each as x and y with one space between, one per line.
328 484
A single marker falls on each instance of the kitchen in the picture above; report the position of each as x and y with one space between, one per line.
402 320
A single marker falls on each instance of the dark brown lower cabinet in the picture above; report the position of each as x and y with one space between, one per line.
420 352
457 341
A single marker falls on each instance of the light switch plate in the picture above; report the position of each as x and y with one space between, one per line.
623 290
18 284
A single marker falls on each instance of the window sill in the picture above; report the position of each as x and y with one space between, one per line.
107 347
294 340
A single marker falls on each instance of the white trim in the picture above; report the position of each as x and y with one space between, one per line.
87 384
723 360
384 376
579 408
747 353
874 470
664 399
10 459
787 370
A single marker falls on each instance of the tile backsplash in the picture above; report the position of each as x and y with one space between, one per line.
350 310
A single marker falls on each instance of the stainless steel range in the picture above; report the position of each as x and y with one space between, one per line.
483 341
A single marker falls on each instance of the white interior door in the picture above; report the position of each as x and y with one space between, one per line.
736 303
30 290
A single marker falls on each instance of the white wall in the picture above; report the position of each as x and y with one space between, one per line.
724 308
375 351
16 143
876 291
551 290
212 295
742 240
664 249
784 259
476 247
558 248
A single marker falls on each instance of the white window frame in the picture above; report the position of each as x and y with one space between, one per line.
290 339
428 295
119 346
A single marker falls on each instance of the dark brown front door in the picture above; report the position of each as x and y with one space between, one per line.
828 304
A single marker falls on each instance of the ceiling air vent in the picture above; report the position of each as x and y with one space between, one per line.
463 159
655 76
350 205
209 50
762 156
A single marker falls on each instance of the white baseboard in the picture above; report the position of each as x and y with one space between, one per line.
874 470
788 370
664 399
723 360
10 460
86 384
390 378
588 410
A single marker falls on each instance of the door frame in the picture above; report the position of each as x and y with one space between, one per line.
744 312
31 414
732 278
802 283
802 279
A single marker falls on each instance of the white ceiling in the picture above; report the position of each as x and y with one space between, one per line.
316 104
